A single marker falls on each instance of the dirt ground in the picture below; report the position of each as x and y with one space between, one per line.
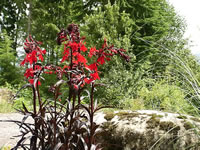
9 129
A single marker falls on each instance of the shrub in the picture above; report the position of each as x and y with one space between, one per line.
163 96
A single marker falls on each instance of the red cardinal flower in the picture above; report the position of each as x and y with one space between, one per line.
101 59
31 81
29 73
83 48
74 46
93 51
81 59
95 76
32 51
93 67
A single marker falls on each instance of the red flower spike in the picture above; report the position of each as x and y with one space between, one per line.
32 51
88 81
95 76
93 51
108 59
38 67
81 59
93 67
23 62
39 83
75 86
29 73
104 44
41 57
74 46
101 60
64 58
62 36
83 48
50 72
31 81
66 50
44 52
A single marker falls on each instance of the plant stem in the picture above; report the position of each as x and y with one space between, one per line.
33 144
74 100
34 100
42 114
39 98
91 117
55 119
79 97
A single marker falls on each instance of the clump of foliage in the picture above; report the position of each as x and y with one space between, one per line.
64 122
9 73
163 96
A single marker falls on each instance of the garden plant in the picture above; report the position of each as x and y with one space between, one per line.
63 123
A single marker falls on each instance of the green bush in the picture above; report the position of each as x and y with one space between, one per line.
6 107
163 96
8 104
133 104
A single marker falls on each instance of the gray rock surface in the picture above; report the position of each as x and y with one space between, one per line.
8 129
149 130
130 130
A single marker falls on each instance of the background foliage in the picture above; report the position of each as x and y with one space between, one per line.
162 73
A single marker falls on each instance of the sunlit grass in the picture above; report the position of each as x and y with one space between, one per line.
6 107
5 148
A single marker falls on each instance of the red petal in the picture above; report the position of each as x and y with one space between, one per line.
93 51
44 52
88 81
104 44
93 67
76 86
95 76
39 83
41 57
31 81
63 59
23 62
81 58
101 60
83 48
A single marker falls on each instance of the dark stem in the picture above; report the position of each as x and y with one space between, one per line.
34 100
79 97
34 138
92 98
42 114
69 99
71 63
33 144
55 119
74 101
91 116
39 98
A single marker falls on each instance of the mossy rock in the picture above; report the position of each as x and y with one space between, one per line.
138 130
122 115
188 125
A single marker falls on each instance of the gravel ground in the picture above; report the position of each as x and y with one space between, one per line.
9 129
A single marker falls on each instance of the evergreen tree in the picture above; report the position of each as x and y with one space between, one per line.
116 27
8 71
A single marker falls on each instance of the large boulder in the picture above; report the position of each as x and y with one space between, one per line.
148 130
